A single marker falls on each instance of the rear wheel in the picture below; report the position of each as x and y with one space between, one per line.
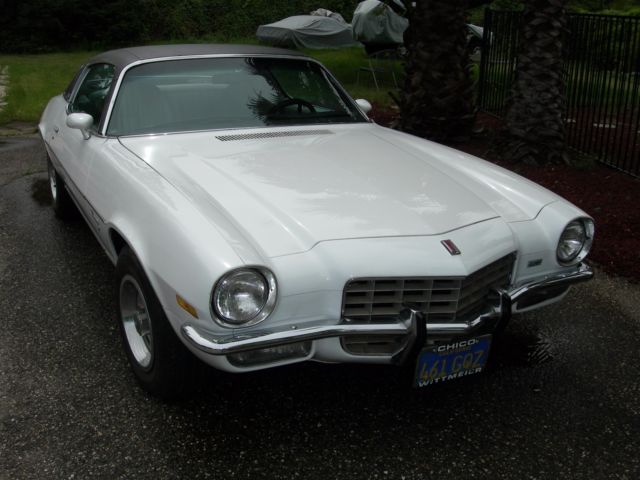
60 199
161 363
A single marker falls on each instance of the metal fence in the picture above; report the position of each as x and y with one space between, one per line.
602 66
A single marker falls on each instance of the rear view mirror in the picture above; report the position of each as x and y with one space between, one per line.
80 121
364 105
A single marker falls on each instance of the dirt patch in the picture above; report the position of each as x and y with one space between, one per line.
382 116
4 81
611 197
13 129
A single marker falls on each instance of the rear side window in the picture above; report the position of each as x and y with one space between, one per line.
93 91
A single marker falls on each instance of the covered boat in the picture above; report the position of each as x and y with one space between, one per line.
307 31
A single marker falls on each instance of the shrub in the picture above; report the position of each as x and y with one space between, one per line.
45 25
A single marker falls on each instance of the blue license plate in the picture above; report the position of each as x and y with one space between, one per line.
440 363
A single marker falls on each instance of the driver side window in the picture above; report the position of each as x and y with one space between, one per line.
93 91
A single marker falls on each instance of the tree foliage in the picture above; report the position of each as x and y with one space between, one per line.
46 25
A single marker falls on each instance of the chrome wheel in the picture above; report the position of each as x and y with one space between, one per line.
136 321
160 362
53 182
61 201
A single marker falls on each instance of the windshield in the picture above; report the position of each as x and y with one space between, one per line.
216 93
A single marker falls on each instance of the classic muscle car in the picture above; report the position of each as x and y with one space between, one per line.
256 217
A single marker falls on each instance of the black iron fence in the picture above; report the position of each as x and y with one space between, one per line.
602 66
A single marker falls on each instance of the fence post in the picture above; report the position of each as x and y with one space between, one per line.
484 55
602 64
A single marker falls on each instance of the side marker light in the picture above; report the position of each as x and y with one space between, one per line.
186 306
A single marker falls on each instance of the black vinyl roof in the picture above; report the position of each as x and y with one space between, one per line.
124 56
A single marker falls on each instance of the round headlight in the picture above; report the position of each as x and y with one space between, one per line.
575 241
244 297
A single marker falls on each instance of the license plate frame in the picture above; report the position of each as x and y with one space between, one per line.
456 359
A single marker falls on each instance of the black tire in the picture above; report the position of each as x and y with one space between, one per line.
167 370
61 201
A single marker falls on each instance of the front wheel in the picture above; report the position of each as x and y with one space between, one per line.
161 363
60 199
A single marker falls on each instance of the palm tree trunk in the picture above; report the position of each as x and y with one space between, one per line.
437 99
534 131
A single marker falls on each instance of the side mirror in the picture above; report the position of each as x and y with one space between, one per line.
364 105
81 121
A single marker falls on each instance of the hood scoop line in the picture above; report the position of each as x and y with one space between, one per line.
284 133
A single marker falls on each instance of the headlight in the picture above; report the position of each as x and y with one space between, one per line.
244 297
575 241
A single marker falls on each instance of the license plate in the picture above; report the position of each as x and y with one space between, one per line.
440 363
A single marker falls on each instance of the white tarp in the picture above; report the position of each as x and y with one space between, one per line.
307 31
375 22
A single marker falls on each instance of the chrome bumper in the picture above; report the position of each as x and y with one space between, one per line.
408 324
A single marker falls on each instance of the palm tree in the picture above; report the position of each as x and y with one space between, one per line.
534 128
437 99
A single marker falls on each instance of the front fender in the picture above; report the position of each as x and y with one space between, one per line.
179 249
537 241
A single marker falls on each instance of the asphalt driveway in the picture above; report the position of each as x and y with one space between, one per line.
560 400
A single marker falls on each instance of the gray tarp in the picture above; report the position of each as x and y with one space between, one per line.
475 30
323 12
376 23
307 31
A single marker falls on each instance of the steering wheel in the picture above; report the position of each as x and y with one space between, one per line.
292 101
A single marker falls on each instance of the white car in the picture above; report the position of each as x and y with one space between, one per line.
257 217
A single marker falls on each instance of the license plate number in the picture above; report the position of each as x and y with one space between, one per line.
440 363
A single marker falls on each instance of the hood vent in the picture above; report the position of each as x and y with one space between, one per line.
285 133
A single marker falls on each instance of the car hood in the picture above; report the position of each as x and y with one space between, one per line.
287 189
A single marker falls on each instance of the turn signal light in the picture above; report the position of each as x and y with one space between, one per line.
186 306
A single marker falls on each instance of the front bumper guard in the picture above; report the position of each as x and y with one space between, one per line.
409 323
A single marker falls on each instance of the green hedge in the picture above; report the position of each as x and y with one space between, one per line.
48 25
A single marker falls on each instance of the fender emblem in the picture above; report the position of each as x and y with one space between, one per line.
451 247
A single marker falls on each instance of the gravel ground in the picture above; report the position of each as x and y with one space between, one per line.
560 399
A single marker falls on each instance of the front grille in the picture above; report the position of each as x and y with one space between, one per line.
443 299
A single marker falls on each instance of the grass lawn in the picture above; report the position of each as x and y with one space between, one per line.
345 65
34 79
